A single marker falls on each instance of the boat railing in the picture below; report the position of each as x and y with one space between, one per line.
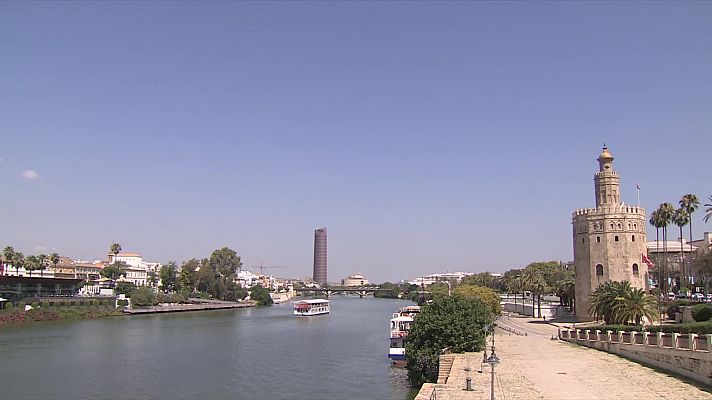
398 334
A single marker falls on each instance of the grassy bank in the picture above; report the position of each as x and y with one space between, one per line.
18 315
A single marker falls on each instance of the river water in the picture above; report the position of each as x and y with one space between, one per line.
257 353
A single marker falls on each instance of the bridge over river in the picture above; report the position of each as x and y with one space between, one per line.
362 291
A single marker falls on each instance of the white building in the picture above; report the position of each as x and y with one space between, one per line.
355 280
138 270
434 278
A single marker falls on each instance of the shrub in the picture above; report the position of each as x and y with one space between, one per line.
35 304
44 304
122 303
690 327
702 312
21 305
616 328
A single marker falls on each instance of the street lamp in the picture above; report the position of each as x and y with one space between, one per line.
492 361
485 329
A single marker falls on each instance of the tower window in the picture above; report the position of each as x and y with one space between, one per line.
632 238
635 269
583 240
599 270
615 238
598 239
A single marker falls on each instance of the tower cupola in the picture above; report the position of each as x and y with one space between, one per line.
605 160
606 180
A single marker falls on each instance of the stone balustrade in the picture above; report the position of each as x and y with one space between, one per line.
684 354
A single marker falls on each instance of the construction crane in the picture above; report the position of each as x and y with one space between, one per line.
263 267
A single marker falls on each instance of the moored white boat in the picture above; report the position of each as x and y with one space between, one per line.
401 323
308 308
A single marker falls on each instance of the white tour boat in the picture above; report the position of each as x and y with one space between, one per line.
307 308
400 325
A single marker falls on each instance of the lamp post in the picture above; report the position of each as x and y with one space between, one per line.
492 361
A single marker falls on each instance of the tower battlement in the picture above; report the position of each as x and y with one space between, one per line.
610 209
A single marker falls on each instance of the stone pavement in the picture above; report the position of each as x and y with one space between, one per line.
536 367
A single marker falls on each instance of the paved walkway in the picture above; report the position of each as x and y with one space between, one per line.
536 367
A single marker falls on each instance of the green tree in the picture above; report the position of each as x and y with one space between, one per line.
152 279
703 269
484 294
54 259
635 305
168 275
455 322
224 263
125 288
186 280
114 271
31 264
393 291
143 297
681 218
708 210
657 223
665 213
606 301
8 255
690 203
42 261
260 295
115 249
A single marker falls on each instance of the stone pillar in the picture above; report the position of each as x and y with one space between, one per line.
608 336
646 341
632 336
597 333
675 340
692 339
660 339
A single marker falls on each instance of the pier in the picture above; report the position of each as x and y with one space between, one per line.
202 306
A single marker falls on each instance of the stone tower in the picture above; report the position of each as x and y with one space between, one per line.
609 240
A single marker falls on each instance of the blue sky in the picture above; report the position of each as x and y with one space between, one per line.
427 137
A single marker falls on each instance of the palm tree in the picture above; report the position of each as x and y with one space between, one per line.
54 259
681 218
8 255
18 260
42 261
690 203
635 305
665 213
115 249
708 210
535 282
606 299
655 221
31 264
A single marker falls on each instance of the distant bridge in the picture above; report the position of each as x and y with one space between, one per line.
361 291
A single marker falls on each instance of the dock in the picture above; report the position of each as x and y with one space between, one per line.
211 305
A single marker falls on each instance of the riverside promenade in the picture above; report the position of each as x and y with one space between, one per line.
203 305
536 367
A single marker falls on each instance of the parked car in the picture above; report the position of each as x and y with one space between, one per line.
698 297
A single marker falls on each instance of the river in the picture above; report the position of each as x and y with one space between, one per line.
256 353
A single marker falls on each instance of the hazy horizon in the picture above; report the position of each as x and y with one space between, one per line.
427 137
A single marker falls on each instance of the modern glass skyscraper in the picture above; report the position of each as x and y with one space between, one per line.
320 256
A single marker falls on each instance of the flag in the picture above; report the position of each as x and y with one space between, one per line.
637 186
646 260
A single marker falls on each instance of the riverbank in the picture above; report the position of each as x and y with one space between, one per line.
19 316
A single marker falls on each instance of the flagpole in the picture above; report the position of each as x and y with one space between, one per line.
637 188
